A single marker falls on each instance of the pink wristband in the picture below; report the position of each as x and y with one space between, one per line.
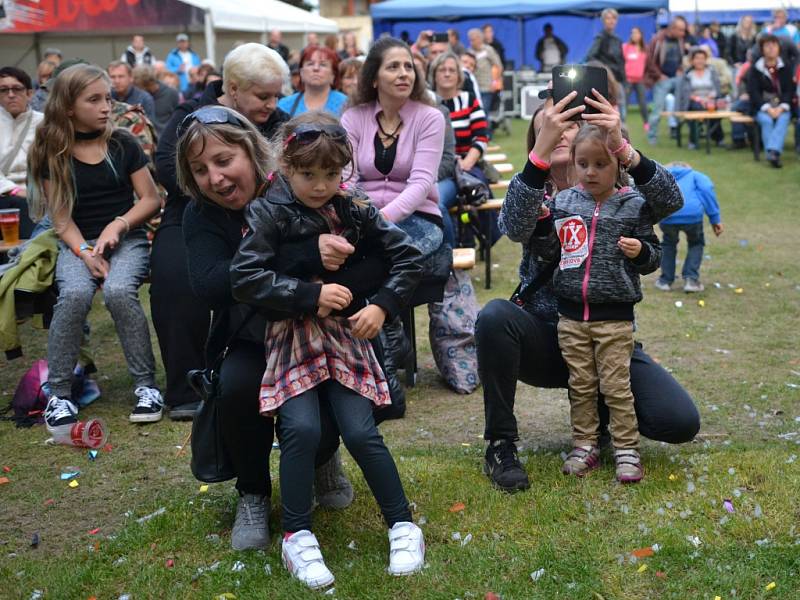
619 150
537 162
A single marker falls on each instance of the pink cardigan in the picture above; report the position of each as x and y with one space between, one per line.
411 184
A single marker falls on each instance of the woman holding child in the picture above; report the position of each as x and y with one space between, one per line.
312 364
518 341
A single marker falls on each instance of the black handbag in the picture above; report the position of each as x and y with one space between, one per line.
210 461
471 190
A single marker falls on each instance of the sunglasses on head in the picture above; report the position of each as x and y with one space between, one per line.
210 115
308 132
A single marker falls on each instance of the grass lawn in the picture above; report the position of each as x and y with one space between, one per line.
733 346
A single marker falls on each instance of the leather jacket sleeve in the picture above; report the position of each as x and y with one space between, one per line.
395 247
254 276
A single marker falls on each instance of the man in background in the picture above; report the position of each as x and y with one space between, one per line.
165 98
123 90
137 53
550 50
182 58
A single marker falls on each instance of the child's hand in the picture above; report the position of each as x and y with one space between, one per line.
631 247
109 237
334 250
97 265
718 229
334 297
367 322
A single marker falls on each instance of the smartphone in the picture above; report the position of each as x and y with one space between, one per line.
440 38
581 78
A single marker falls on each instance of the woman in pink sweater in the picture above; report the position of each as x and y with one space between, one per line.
635 53
397 137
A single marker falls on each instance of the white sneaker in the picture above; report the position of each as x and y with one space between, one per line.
662 285
303 559
406 549
693 285
149 407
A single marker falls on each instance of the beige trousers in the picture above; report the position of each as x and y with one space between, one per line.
598 354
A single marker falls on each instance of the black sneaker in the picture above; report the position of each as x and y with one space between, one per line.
502 466
149 406
184 412
60 412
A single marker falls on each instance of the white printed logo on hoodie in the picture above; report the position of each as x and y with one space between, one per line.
574 238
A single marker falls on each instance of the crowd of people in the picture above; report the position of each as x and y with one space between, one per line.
298 210
693 67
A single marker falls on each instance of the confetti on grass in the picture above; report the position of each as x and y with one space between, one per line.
152 515
74 483
771 586
537 574
457 507
728 505
643 552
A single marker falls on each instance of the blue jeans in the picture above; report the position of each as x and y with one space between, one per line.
669 246
739 130
773 131
425 235
660 91
447 200
299 430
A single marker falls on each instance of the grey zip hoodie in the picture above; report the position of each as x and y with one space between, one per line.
594 280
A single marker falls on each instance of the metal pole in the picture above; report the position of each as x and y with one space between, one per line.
211 41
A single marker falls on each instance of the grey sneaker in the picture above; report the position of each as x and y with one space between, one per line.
331 485
693 285
628 466
662 285
250 529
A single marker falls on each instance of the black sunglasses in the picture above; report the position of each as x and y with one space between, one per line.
308 132
209 115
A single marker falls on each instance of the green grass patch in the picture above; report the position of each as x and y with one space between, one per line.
736 352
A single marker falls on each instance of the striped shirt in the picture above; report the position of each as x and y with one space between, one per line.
469 123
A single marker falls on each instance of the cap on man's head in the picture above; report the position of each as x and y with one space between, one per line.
51 51
181 37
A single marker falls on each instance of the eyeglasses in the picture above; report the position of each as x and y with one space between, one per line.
308 132
210 115
17 89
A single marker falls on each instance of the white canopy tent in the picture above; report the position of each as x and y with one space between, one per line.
728 11
257 16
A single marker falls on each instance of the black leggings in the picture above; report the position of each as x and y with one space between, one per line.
248 436
180 318
300 421
514 345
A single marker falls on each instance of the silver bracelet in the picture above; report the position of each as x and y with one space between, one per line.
124 220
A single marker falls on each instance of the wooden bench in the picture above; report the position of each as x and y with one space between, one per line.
497 157
493 148
504 167
755 132
463 258
701 116
495 204
500 186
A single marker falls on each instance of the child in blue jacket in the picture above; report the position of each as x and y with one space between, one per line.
699 198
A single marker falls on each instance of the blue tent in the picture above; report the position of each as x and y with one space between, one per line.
517 23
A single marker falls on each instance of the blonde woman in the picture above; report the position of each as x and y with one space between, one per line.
84 175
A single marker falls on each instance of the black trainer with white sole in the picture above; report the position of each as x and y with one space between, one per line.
502 466
149 406
60 412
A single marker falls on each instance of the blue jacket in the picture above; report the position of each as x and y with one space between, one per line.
698 198
174 62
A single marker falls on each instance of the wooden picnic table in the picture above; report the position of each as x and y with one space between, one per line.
702 116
